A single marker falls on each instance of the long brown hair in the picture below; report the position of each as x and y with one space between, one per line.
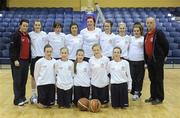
75 62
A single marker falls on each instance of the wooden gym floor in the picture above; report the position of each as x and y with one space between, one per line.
137 109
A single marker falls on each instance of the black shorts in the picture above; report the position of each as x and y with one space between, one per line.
32 66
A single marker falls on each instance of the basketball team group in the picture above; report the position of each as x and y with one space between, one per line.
92 64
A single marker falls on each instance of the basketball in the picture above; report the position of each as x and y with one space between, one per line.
83 104
94 105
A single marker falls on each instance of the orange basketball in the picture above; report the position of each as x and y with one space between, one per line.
94 105
83 104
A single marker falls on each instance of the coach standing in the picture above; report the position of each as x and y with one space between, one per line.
20 58
156 49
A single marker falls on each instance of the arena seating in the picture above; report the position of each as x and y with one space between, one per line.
10 19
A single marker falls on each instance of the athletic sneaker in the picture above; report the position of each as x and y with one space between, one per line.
135 97
21 104
33 100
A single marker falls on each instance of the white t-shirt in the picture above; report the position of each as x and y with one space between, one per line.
107 42
57 41
64 74
123 43
44 72
89 39
38 41
99 72
136 49
120 72
73 43
82 77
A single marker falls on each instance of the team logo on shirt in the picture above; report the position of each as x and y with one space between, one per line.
97 37
102 65
69 68
151 39
110 41
123 68
85 69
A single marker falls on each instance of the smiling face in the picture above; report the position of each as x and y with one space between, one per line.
150 23
122 29
97 51
64 54
24 27
107 27
136 32
80 56
37 26
90 23
116 54
48 52
74 30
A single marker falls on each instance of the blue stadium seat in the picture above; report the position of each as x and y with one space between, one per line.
173 46
6 34
170 53
170 39
177 40
2 29
5 53
175 34
176 53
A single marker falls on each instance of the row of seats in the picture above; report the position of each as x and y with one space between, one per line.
10 20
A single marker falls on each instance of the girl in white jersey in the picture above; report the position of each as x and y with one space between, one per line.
44 75
64 71
56 39
81 77
122 40
136 60
99 76
37 45
120 79
90 36
107 39
73 41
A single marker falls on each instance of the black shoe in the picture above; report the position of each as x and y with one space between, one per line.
149 100
156 101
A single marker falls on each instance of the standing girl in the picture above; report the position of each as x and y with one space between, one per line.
122 40
107 39
56 39
120 79
136 60
64 71
73 41
81 77
90 36
44 75
99 79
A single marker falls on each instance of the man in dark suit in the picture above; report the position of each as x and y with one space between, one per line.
20 56
156 49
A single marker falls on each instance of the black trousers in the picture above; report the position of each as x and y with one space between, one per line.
64 97
156 76
81 92
46 94
137 74
101 93
20 75
119 95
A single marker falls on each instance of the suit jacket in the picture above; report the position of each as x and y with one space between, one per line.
160 47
